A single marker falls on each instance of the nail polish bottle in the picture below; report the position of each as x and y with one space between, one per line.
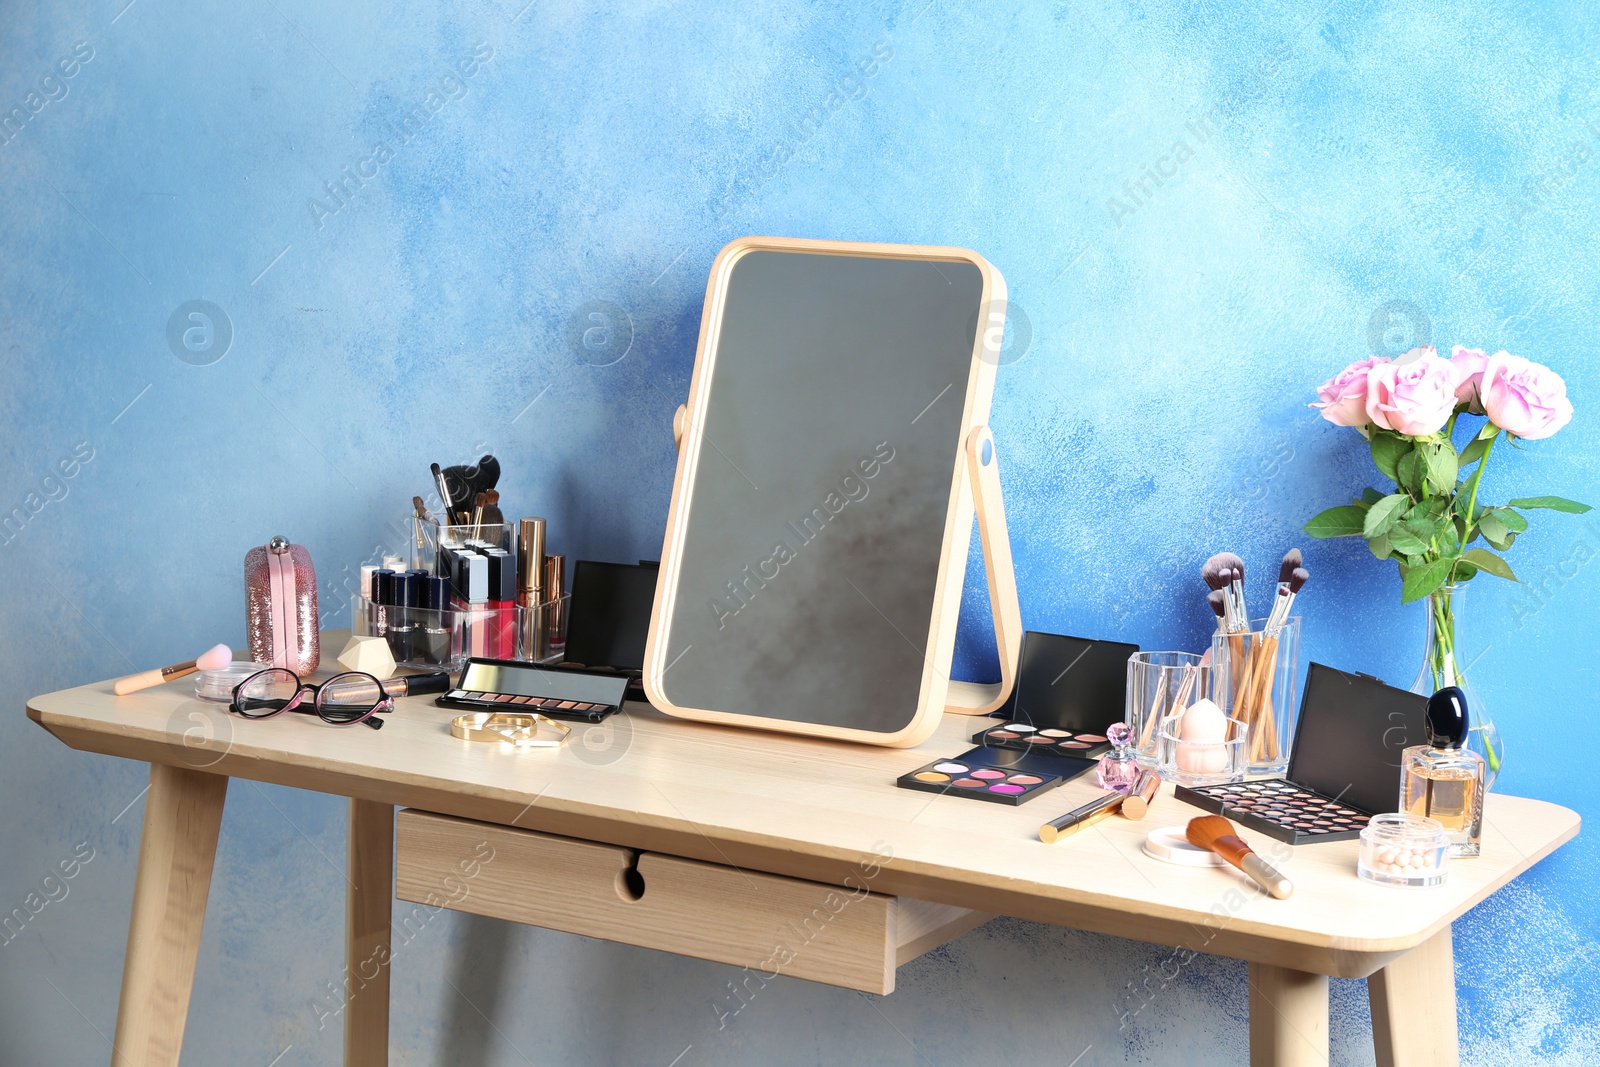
1444 780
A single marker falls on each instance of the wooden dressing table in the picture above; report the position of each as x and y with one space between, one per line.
782 854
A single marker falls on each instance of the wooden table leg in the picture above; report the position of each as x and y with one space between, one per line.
368 909
1414 1007
1288 1018
182 814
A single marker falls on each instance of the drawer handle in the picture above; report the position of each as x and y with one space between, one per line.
630 883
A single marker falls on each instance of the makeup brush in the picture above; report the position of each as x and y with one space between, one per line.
1291 579
1218 599
444 494
493 519
477 514
1224 572
422 509
1215 834
213 659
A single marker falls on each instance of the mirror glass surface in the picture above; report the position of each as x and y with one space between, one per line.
816 521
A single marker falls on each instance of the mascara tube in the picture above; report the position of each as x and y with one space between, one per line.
1101 807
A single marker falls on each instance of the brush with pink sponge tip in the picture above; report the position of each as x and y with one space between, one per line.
213 659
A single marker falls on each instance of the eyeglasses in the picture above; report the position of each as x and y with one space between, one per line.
343 700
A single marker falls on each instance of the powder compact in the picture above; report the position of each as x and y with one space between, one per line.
1068 693
998 776
512 685
1344 768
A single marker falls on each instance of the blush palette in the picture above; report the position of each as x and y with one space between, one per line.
1280 809
1069 691
1021 737
1000 777
561 692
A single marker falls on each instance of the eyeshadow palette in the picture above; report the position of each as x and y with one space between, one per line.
1069 691
1000 777
562 692
1280 809
1050 741
1344 769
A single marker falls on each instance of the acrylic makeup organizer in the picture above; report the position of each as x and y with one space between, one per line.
447 636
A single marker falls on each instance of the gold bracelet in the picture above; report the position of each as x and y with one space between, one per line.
516 728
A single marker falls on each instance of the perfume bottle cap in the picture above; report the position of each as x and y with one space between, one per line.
1447 718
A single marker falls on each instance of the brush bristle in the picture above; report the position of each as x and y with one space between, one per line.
1204 830
1298 580
1220 570
1218 601
1292 560
215 658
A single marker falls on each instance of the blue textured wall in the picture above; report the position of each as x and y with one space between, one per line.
1316 162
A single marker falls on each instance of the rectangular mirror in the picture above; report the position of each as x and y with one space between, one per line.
818 533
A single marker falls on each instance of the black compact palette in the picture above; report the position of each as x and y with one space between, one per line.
1344 767
560 692
1069 691
998 776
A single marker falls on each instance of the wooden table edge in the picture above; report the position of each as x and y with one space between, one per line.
1158 924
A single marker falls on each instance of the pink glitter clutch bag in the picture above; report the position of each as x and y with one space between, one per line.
280 600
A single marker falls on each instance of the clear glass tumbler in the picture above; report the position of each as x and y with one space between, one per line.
1162 686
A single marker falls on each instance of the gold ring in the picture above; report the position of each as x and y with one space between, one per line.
515 728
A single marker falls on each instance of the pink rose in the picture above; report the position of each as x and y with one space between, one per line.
1343 398
1469 364
1416 397
1523 398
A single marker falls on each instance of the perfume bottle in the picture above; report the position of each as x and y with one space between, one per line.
1120 769
1444 780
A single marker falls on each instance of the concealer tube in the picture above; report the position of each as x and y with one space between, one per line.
1143 793
1101 807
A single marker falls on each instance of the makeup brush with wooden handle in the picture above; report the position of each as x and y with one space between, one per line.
1215 834
214 659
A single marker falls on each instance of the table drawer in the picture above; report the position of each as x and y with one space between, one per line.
769 923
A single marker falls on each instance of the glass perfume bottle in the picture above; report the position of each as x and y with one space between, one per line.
1120 769
1444 780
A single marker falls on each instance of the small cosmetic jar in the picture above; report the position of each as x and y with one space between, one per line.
218 685
1212 761
1404 850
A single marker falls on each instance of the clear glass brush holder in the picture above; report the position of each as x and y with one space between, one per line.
1257 676
1162 686
444 638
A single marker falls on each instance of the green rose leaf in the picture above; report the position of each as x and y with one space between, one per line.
1485 560
1402 540
1387 450
1515 521
1370 496
1474 452
1411 473
1380 547
1552 503
1442 467
1494 530
1384 514
1345 521
1465 571
1420 581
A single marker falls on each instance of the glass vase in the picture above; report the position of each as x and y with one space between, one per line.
1442 666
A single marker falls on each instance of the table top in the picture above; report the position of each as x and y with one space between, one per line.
827 810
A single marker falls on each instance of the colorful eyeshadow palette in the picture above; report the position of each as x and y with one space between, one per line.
565 692
1280 809
1343 769
1000 778
1021 737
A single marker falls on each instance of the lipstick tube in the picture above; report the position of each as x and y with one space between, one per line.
1086 815
530 585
